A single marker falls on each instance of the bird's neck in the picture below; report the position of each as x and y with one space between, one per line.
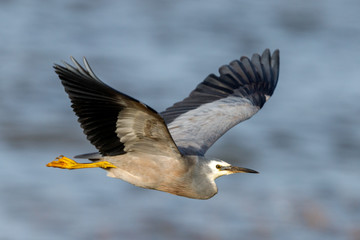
201 183
195 181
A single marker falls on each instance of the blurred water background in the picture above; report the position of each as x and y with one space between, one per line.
305 142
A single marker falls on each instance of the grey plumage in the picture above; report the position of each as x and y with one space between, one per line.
166 151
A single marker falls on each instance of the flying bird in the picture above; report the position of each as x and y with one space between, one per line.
165 151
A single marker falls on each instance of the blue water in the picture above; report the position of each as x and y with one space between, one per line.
305 142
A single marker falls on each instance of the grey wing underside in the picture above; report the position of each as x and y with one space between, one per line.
112 121
219 103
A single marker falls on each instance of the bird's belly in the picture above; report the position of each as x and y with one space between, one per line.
132 178
142 172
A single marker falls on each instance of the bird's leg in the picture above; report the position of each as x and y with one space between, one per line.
67 163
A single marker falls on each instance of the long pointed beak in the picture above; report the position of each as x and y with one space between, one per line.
234 169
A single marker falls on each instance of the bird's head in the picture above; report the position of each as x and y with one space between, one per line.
220 168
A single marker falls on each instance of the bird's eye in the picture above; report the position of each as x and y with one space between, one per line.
218 166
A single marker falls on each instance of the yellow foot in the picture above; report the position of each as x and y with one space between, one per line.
67 163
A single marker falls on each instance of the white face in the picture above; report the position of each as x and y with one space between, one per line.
215 166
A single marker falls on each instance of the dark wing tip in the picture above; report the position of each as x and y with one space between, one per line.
275 64
78 69
95 103
258 75
253 79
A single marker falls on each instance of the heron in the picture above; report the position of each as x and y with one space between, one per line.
166 151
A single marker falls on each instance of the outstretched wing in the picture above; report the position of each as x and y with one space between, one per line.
112 121
219 103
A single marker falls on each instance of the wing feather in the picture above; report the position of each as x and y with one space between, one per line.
219 103
112 121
